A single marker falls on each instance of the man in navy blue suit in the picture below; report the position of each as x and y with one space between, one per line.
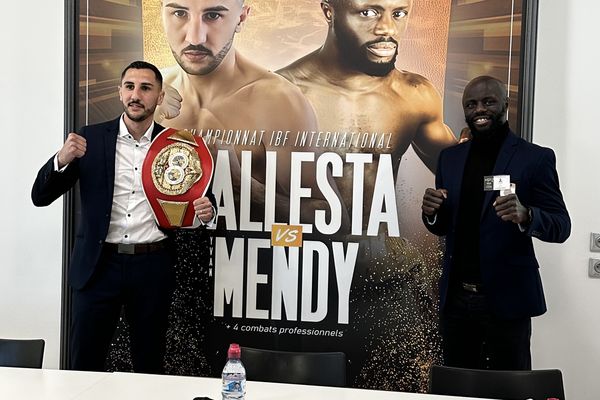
121 257
490 286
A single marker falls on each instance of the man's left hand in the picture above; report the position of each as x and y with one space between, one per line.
509 208
204 209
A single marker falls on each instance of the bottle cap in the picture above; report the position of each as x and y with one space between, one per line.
234 351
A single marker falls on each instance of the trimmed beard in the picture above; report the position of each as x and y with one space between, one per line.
139 118
215 60
497 123
356 56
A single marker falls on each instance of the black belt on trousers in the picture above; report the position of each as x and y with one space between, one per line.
134 248
472 287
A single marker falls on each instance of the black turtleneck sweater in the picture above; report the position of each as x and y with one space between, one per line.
480 162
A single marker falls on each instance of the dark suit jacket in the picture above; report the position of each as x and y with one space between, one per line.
96 174
509 269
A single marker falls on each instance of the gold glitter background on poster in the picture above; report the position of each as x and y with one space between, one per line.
393 307
278 32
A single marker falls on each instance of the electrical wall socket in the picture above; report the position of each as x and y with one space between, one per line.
595 242
594 268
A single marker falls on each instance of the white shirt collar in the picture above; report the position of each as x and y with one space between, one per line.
123 131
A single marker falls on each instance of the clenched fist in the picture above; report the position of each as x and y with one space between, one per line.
432 200
203 209
73 148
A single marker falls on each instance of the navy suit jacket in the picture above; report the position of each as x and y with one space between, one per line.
509 268
95 172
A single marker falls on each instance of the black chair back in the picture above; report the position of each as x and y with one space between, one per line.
324 369
26 353
506 385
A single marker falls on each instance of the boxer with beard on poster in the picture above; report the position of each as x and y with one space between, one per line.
353 85
215 87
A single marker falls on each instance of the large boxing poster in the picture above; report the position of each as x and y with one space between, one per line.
325 120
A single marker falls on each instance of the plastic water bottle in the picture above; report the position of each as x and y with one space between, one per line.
234 375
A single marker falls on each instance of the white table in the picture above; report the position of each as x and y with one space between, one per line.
162 387
36 384
45 384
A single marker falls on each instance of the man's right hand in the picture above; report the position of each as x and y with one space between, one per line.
432 200
73 148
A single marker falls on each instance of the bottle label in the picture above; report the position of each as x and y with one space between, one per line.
234 386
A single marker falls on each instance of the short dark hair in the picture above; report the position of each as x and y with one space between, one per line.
144 65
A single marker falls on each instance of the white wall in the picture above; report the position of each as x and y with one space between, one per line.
31 87
566 119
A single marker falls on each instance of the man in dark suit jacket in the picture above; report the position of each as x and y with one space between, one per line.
121 256
490 286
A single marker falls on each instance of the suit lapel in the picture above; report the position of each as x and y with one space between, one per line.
157 129
110 150
505 155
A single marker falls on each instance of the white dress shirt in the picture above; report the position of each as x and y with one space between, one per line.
131 217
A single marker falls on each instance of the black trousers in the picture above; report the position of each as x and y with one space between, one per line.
473 337
141 284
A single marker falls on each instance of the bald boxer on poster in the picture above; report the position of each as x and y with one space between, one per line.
353 85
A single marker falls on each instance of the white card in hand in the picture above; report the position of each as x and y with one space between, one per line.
496 182
512 189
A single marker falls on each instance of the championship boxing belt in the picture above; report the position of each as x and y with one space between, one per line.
176 171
